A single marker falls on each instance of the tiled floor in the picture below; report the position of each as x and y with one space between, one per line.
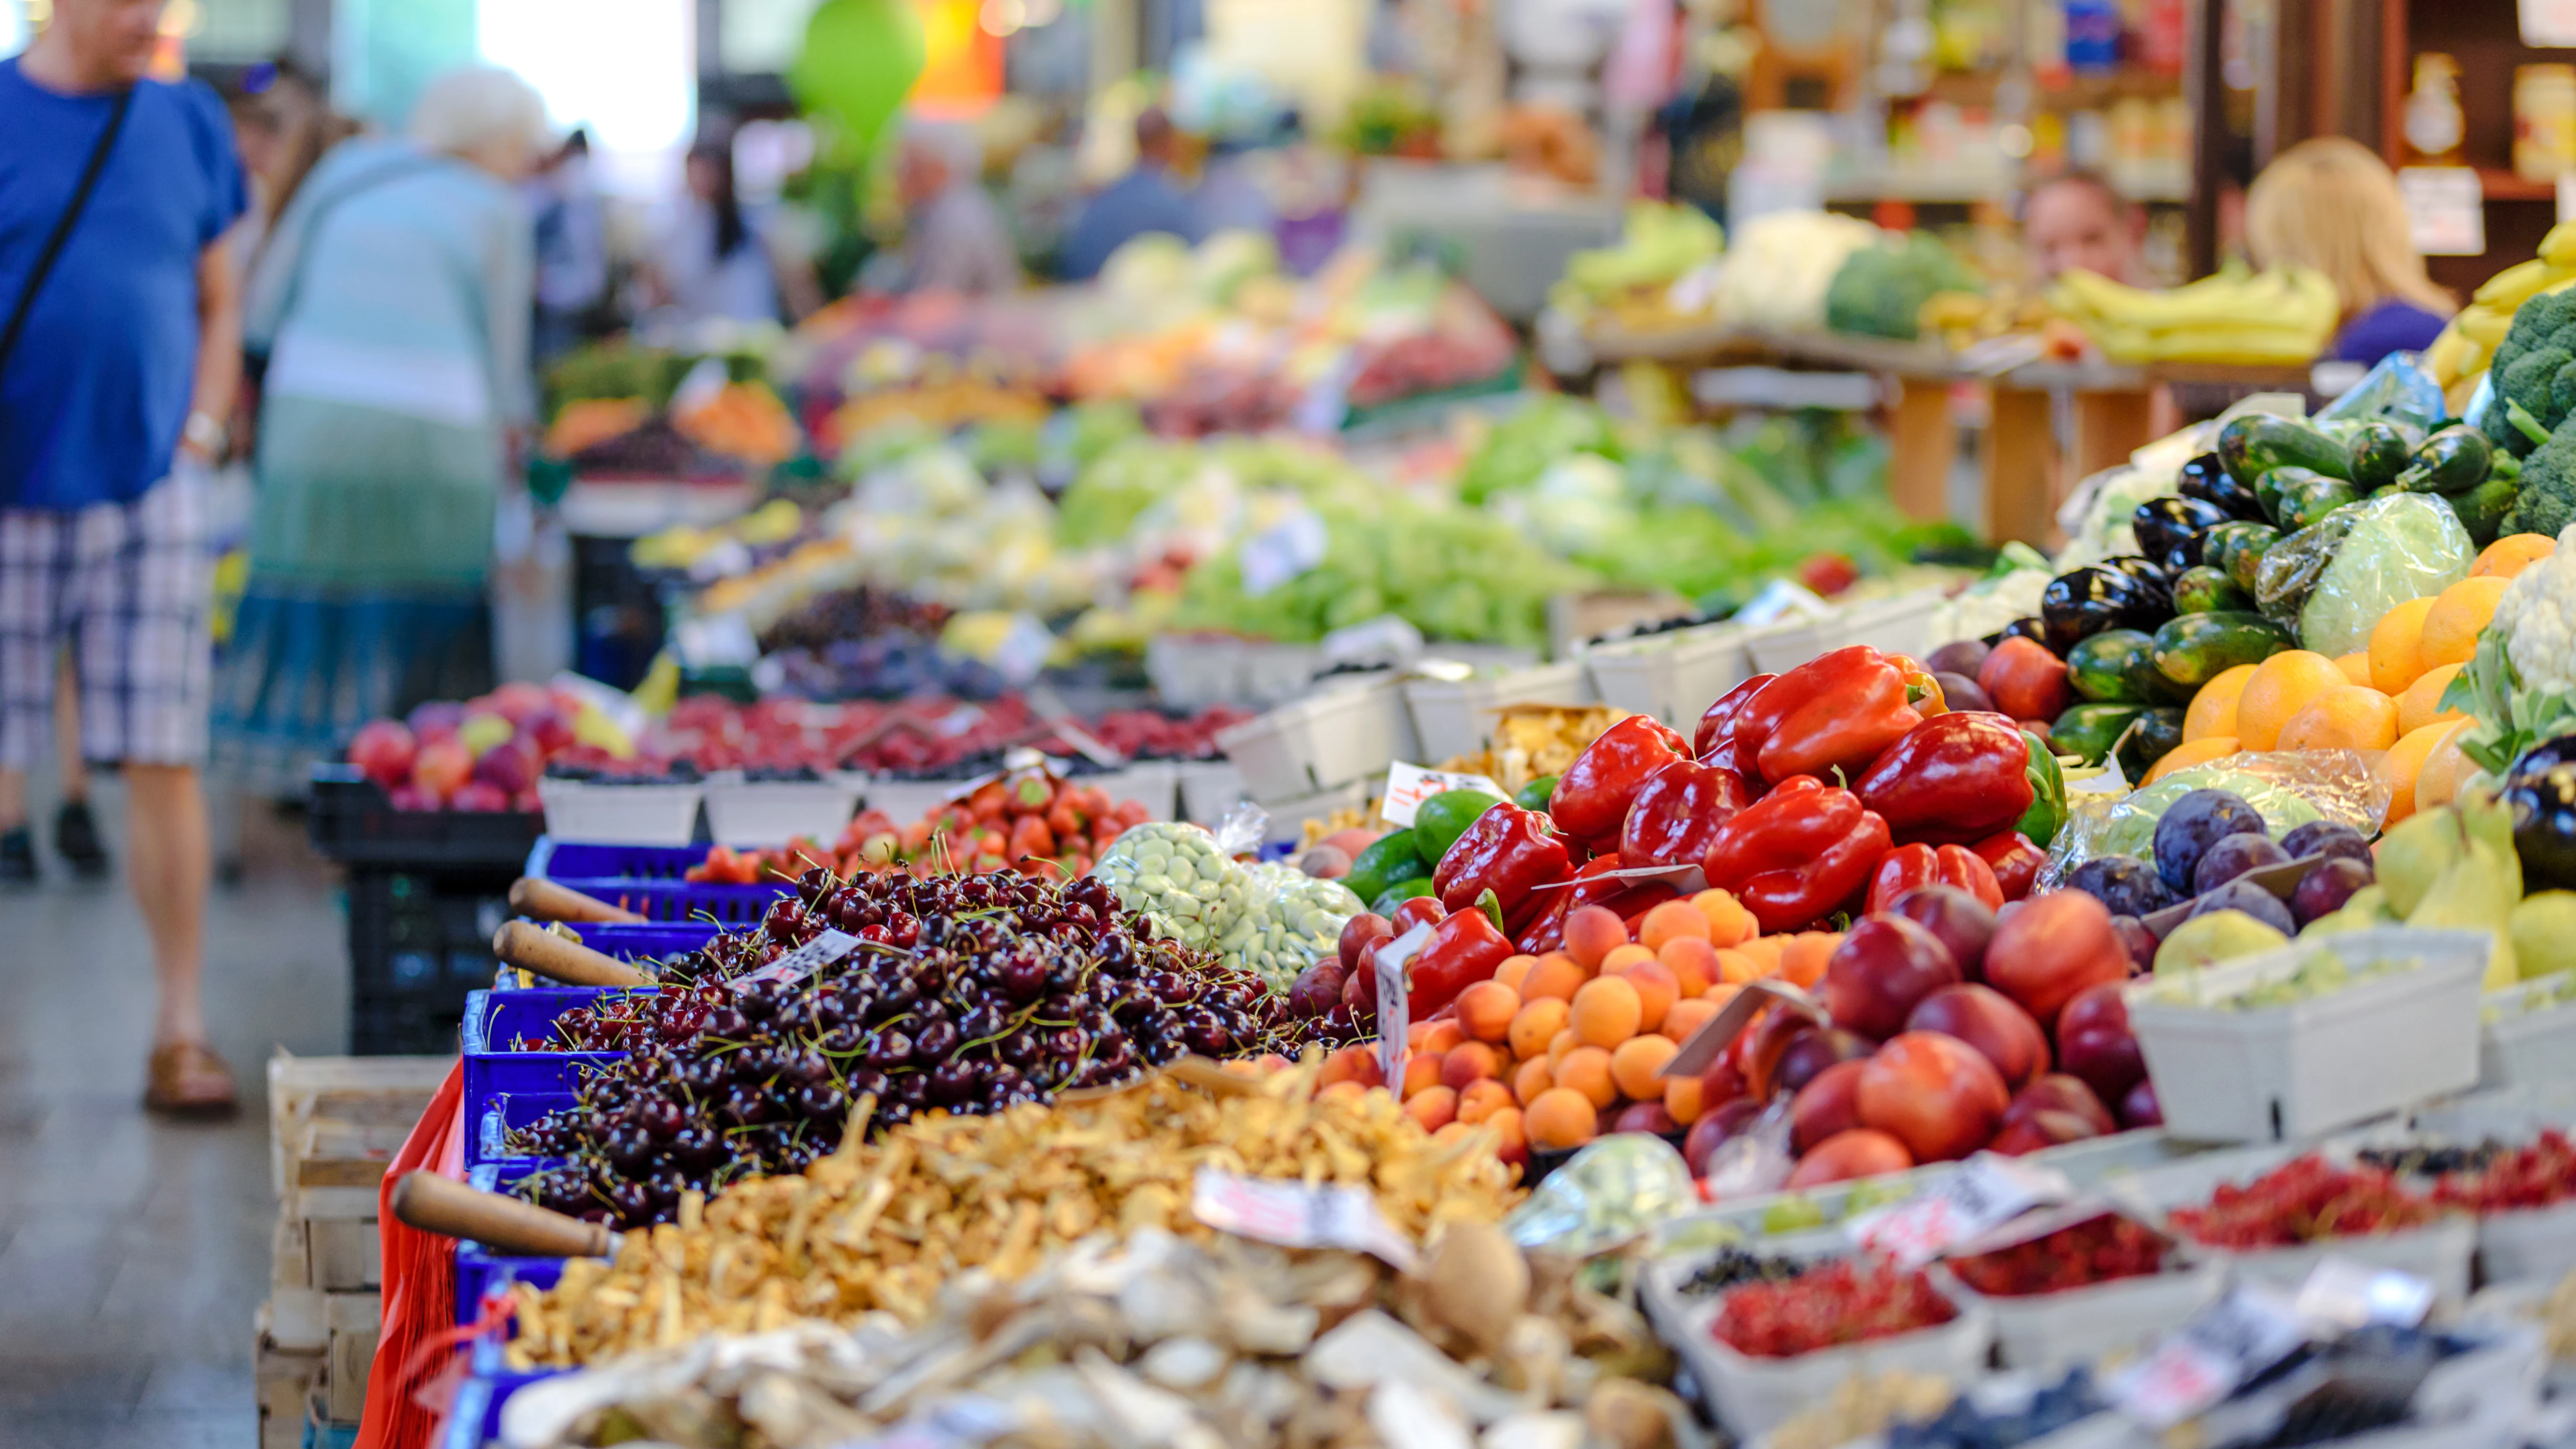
133 1251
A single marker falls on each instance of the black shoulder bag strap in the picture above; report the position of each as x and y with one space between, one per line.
63 227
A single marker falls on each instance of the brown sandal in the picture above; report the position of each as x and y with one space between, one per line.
189 1080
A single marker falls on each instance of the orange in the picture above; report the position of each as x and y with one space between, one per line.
1607 1011
1482 1100
2510 555
1620 959
1657 989
2282 686
1692 961
2439 781
1532 1079
2397 646
1486 1009
2459 612
1592 932
1535 1025
2402 765
2421 704
1802 961
1555 975
1729 923
1558 1045
1559 1119
1688 1015
1421 1074
1442 1036
2355 666
1671 920
1514 971
1434 1108
1586 1069
1635 1064
1473 1062
2213 710
2189 753
2355 717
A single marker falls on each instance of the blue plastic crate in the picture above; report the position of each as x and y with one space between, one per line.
465 1415
649 943
731 907
560 860
493 1019
506 1112
645 878
478 1272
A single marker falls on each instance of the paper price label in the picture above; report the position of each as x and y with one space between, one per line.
1394 1006
2200 1363
1294 1215
1407 786
1282 552
807 959
1981 1196
2347 1293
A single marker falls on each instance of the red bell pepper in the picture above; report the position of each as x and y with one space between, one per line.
1678 811
1586 887
2014 859
1838 711
1717 725
1910 866
1953 778
1508 851
1592 796
1463 950
1798 854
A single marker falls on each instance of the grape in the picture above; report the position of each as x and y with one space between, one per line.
2124 884
2253 900
2233 855
2192 824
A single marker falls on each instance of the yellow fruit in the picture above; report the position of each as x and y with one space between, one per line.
2396 642
2355 666
2189 753
2355 717
2403 765
2213 710
2458 613
2444 768
2421 704
2282 686
2511 554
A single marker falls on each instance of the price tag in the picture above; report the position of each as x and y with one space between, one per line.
1981 1196
2346 1293
2547 24
2446 209
2200 1363
1688 880
1282 551
715 641
1407 786
805 960
1293 1215
1394 1007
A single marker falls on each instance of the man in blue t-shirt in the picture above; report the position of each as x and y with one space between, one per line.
1143 200
127 351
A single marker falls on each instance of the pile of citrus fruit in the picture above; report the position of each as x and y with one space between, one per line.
2386 699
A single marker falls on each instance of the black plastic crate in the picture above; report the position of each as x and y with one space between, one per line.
353 821
419 942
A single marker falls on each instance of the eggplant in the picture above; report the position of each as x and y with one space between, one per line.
2076 606
2152 577
2205 478
2167 525
2543 802
2540 757
2034 630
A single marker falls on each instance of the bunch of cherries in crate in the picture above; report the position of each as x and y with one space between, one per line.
966 994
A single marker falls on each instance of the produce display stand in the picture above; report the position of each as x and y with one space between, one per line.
617 612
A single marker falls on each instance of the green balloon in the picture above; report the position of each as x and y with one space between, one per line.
860 60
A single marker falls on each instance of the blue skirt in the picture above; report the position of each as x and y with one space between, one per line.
308 664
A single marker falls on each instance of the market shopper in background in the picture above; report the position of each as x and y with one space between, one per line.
2332 205
119 353
1146 199
954 236
392 304
2077 221
715 257
571 247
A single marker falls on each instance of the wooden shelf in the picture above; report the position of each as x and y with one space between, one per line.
2501 184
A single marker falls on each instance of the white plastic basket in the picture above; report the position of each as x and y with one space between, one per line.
2531 1038
2537 1243
1209 788
660 814
2292 1071
1675 676
1343 733
1753 1396
1193 671
1154 784
2051 1331
1275 672
1899 625
1289 816
905 801
773 812
1458 718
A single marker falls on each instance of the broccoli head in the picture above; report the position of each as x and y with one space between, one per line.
2531 368
2546 500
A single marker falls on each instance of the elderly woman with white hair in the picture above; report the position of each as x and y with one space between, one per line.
392 308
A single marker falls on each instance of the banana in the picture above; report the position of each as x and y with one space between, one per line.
2509 288
2483 325
2442 359
2559 247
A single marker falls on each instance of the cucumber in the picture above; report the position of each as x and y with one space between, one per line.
2207 590
2381 449
2218 546
2453 460
1400 892
2103 668
2248 557
2089 730
1536 794
1394 856
2193 649
2307 497
2152 736
2482 509
2257 443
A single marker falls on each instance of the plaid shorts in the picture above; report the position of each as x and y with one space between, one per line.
128 588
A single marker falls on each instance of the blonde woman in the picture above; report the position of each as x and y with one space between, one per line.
2331 204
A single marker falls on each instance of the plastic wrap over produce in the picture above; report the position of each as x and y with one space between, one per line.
1604 1195
1290 921
1179 877
2396 389
1270 919
2289 787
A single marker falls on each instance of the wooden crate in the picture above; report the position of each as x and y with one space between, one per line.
334 1122
354 1319
285 1381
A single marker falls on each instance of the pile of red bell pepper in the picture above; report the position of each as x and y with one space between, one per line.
1843 782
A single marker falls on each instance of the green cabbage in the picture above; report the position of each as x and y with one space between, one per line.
2402 546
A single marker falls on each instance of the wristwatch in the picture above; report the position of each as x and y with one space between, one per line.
204 434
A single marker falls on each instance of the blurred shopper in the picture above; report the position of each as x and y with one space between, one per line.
1231 195
954 237
119 352
718 258
1146 199
2077 221
282 123
572 247
392 305
2333 205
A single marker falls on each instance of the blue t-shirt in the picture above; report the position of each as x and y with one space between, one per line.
2394 325
1143 200
95 397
